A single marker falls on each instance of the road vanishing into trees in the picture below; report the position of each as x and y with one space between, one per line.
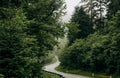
51 68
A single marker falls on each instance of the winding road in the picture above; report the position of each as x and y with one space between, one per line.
51 68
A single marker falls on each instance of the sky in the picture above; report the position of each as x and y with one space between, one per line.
70 9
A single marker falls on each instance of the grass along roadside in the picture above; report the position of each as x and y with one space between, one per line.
49 59
84 73
49 75
53 60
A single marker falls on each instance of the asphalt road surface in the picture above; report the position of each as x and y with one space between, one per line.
51 68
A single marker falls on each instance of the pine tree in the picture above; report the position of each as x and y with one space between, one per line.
16 48
96 9
27 31
82 19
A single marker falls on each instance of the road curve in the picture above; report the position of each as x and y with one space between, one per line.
51 68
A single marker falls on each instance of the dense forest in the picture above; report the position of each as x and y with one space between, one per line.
28 31
94 38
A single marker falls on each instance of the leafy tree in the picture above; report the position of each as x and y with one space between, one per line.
81 18
17 50
73 31
28 31
113 50
76 56
45 25
113 7
98 52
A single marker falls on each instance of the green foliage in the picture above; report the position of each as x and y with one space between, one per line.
49 75
16 48
73 31
113 7
96 9
45 26
1 76
82 24
99 52
81 72
28 29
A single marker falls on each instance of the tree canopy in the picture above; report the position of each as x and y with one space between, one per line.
28 29
99 51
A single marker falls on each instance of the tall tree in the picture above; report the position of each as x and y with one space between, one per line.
113 7
28 31
82 19
96 9
45 25
17 50
98 52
